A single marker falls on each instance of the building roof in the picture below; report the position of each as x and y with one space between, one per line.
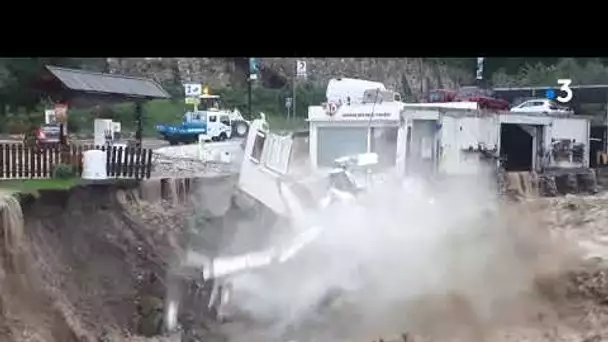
110 84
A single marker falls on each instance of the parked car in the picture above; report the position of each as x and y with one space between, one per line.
541 106
484 97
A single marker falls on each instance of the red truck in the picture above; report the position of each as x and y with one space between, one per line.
485 97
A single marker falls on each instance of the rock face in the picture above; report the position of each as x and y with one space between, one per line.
406 75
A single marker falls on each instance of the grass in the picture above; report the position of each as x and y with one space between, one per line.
280 123
28 185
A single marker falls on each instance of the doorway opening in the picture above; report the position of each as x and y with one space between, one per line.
421 152
596 144
516 148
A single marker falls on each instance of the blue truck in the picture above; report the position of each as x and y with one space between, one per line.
214 124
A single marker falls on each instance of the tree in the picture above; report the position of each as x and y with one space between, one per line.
581 71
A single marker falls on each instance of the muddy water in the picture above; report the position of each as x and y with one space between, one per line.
28 312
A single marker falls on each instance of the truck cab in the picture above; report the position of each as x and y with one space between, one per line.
206 119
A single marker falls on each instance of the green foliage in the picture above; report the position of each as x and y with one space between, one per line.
64 171
581 71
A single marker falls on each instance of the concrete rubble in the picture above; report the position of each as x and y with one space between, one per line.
192 161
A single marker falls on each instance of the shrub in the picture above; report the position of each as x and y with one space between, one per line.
64 171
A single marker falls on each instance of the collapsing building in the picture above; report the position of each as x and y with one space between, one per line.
431 140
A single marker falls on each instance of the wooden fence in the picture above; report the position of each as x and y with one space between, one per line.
20 162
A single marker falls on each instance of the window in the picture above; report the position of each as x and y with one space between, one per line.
276 154
258 146
435 97
336 142
212 118
225 119
525 105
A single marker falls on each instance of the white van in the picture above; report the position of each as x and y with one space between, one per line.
350 90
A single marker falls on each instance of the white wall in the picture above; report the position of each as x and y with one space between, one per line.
258 181
572 128
458 134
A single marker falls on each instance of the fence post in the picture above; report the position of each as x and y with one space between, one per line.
20 160
113 161
14 160
39 163
131 160
138 163
2 147
33 153
45 168
26 161
149 164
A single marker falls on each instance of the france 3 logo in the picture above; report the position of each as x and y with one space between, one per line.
566 92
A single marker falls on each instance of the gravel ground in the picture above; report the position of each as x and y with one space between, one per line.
188 160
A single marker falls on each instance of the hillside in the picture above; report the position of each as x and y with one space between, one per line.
21 107
406 75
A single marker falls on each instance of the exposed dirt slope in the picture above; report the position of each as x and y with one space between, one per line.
88 265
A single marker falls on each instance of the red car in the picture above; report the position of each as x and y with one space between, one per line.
484 97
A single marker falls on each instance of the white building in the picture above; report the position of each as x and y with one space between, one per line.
410 139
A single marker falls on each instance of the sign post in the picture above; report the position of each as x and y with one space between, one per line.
61 116
193 93
300 72
288 104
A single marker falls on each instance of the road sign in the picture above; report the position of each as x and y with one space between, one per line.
193 100
254 66
288 102
193 89
301 69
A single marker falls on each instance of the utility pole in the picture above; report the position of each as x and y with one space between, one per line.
139 121
300 72
249 97
295 84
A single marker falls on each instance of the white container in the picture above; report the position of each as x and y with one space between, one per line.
94 165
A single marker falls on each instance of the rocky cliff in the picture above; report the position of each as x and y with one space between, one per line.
406 75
